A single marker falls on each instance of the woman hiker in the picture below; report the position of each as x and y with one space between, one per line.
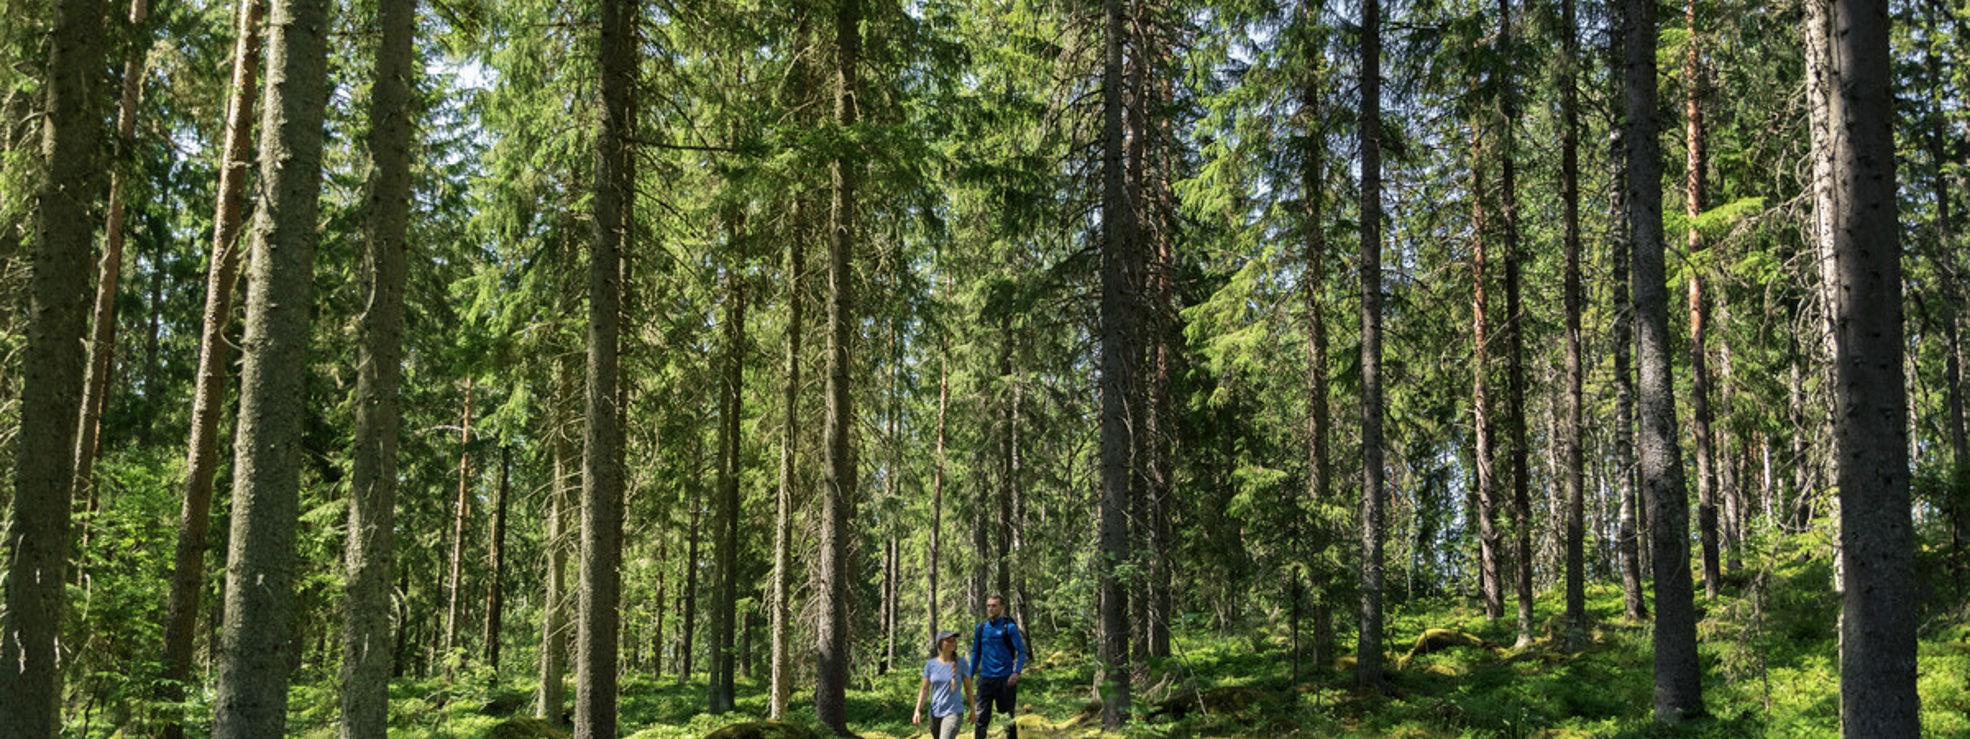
941 675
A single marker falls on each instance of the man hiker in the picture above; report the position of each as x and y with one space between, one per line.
998 653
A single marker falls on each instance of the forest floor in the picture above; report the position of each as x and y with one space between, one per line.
1769 663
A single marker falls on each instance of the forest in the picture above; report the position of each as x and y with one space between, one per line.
1281 368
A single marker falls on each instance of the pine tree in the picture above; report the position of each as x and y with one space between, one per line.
37 536
257 651
370 556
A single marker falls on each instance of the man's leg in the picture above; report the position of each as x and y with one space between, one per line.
1008 705
988 690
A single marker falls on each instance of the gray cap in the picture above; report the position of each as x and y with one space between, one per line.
941 636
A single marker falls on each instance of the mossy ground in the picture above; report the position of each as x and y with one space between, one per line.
1769 664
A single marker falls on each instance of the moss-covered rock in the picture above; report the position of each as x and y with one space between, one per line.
525 727
764 730
503 703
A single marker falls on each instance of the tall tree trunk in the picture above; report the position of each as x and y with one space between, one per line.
208 396
782 679
1706 447
1877 538
461 515
1678 683
659 609
933 553
1514 328
892 575
109 271
1159 423
369 559
689 623
613 204
495 593
37 536
724 609
1118 359
1313 193
1574 464
1368 660
1946 258
555 610
1490 579
833 572
1002 500
257 654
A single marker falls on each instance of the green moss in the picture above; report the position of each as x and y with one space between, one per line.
764 730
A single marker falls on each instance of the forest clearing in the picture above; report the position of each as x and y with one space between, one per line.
516 369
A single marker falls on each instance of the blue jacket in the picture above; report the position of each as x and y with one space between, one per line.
997 649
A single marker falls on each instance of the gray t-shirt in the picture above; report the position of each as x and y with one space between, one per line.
945 698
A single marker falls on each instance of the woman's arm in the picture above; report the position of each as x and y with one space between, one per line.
916 718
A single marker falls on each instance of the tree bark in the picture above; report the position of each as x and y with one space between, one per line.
602 451
495 594
1320 486
37 536
461 515
208 396
1118 326
689 623
781 690
1573 464
833 572
369 559
109 271
1514 328
726 542
1947 264
1368 661
257 653
1490 579
554 611
1678 683
1706 448
1877 538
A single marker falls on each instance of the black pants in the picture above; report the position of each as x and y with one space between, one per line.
994 692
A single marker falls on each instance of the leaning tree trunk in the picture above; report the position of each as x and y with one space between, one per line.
1368 660
1118 327
1877 538
602 475
833 574
208 396
1701 433
102 343
36 547
1678 683
782 678
366 647
256 652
